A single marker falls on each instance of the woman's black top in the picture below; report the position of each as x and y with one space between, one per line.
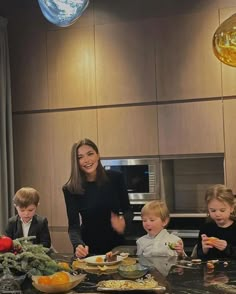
89 214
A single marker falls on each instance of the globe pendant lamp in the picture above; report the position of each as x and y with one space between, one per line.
224 41
62 13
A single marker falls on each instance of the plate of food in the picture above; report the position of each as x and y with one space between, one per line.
103 260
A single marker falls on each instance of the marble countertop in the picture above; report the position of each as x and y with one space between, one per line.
203 277
177 276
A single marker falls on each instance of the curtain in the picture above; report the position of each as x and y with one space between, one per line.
6 140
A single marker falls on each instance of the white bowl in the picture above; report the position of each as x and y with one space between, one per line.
133 271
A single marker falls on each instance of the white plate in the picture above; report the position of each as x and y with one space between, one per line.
92 260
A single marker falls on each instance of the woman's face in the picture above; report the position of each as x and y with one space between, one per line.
88 161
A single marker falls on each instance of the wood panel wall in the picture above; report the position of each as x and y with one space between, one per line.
137 77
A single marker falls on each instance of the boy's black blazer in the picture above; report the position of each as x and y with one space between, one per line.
38 228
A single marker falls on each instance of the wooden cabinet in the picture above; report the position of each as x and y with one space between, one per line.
186 66
128 131
195 127
71 71
230 143
33 157
125 63
28 62
228 72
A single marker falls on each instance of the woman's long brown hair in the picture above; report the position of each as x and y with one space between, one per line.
77 180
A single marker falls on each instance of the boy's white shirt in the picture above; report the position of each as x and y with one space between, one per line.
25 227
158 245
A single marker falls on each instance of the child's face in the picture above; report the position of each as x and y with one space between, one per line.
153 224
26 213
220 212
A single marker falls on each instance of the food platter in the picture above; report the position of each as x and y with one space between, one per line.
128 285
93 260
159 289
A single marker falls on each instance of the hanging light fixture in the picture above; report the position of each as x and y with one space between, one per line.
62 13
224 41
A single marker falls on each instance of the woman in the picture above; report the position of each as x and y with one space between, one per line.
94 199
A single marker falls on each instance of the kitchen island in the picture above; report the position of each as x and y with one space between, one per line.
177 276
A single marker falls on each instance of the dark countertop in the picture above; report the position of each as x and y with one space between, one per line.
198 278
178 276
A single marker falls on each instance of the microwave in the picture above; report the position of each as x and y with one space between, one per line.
141 177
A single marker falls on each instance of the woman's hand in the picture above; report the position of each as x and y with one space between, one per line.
81 251
118 223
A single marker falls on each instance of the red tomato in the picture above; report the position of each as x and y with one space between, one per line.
6 244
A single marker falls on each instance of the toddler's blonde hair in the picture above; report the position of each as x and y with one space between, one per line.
157 208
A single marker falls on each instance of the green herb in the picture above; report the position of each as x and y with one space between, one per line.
28 258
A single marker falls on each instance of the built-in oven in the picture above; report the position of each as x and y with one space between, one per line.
141 177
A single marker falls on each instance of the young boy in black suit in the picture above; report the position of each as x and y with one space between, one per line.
27 222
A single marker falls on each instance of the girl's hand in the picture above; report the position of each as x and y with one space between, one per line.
81 251
220 244
117 223
205 245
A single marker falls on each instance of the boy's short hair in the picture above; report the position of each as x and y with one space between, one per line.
26 196
157 208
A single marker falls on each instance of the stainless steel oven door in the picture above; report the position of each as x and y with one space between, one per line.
141 176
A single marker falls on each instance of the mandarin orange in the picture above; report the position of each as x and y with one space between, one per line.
60 278
44 280
211 240
64 265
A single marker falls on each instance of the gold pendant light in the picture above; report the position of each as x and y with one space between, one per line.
224 41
